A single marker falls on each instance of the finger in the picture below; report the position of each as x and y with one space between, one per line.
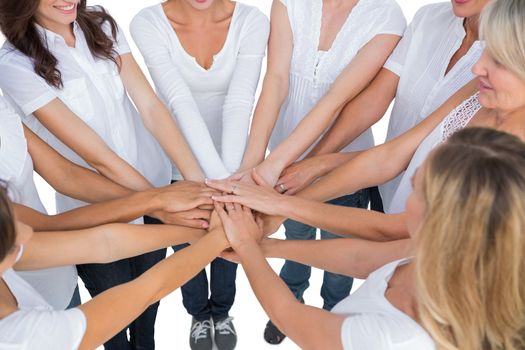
235 177
229 207
219 207
237 207
192 223
260 222
198 214
221 185
207 206
228 198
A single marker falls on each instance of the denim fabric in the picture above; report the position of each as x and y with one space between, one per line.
222 286
335 287
75 300
100 277
376 202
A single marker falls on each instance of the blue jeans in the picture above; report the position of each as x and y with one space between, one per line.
222 286
100 277
335 287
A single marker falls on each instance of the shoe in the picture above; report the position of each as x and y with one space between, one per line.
225 335
272 334
200 335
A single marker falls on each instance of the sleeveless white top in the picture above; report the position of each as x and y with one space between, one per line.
455 120
56 285
312 72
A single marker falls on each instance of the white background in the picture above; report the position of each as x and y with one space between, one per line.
173 323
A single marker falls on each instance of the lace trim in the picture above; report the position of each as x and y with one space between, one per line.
460 116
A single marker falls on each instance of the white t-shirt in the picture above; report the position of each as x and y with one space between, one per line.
56 285
212 106
36 325
372 322
420 60
312 72
93 90
456 120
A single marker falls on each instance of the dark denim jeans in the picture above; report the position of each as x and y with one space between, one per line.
335 287
222 286
100 277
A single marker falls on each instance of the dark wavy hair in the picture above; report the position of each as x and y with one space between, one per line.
17 22
7 224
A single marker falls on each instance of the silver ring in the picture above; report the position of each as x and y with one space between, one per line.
233 189
282 188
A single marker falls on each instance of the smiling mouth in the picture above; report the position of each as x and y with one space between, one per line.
66 8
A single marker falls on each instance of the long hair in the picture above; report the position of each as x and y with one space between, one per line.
7 225
17 22
471 247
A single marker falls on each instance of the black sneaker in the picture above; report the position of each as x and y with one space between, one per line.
225 335
272 334
200 335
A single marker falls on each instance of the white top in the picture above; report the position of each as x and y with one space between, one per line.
372 322
420 60
16 169
312 72
213 106
456 120
93 90
36 325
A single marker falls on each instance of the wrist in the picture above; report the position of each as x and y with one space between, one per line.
245 248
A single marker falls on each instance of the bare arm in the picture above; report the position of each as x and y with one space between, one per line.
84 141
158 120
275 86
68 178
384 162
354 78
101 244
349 257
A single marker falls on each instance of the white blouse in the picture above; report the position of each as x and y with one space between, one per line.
212 106
93 90
456 120
35 325
56 285
420 60
372 322
312 71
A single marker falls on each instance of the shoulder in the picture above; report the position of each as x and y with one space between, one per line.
435 13
249 14
149 14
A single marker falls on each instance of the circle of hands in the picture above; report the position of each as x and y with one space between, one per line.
242 208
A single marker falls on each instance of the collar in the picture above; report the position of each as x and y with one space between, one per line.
51 38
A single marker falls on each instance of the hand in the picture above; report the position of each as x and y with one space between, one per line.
299 176
240 225
184 196
270 223
194 218
268 172
244 176
260 197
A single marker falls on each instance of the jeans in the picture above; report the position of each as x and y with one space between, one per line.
100 277
335 287
75 300
376 202
222 286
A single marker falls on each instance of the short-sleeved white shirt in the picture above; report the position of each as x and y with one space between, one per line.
312 72
93 90
372 322
56 285
35 325
420 60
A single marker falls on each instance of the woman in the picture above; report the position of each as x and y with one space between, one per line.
321 55
205 60
432 61
27 321
462 289
117 204
69 71
495 100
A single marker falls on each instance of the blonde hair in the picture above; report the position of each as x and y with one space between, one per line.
503 29
471 247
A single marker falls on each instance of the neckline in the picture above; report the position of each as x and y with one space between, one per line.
342 29
191 58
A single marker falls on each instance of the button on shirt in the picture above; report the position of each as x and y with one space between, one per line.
420 60
56 285
93 90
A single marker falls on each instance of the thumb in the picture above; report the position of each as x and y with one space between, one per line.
259 180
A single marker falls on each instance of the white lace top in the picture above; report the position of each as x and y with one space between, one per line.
312 71
456 120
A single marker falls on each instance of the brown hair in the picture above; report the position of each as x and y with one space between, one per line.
7 225
17 22
471 247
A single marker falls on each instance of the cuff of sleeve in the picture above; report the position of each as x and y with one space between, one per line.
38 103
394 67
